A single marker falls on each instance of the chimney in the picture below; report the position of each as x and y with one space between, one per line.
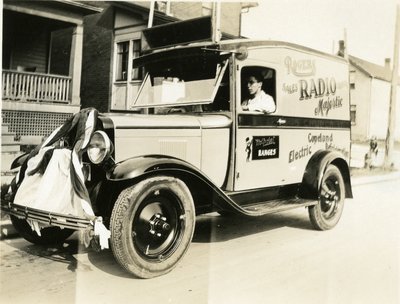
342 48
387 64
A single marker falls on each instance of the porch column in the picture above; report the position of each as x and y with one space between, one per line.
75 64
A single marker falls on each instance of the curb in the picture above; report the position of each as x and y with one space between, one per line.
368 179
7 230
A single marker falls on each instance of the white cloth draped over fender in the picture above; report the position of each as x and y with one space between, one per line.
60 186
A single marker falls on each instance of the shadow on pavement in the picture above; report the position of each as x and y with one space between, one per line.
61 253
72 253
209 228
217 228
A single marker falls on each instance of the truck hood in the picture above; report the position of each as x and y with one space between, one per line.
181 121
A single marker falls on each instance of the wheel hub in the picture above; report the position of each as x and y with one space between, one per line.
330 198
159 225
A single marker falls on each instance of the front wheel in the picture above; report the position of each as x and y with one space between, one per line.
326 214
48 235
152 225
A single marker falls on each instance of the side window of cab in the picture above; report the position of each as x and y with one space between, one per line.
258 89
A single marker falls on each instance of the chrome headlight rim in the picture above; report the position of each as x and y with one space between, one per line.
105 148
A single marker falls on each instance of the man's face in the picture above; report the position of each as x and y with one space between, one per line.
253 85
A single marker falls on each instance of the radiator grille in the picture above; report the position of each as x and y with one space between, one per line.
173 148
26 123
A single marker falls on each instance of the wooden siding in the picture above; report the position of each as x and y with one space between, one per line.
30 47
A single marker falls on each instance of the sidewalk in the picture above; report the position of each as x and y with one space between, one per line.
358 151
374 178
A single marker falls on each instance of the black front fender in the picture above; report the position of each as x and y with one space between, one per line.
133 170
136 167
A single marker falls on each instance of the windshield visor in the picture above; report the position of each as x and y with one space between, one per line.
182 81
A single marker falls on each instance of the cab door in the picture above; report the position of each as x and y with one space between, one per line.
259 159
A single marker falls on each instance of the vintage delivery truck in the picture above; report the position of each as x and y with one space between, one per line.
190 147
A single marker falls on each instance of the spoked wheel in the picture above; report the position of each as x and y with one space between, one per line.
326 214
152 224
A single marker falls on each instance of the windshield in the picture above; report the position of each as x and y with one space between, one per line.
182 81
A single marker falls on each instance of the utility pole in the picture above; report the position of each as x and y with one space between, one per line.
151 14
389 144
216 21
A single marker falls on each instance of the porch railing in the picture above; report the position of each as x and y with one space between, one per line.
35 87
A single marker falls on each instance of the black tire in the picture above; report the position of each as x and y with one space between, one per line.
49 235
152 225
326 214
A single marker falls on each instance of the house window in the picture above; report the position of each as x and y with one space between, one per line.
123 49
352 80
136 72
122 60
353 114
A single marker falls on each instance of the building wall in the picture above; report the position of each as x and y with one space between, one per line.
124 92
360 96
231 18
380 99
380 96
371 97
25 46
186 10
96 65
230 13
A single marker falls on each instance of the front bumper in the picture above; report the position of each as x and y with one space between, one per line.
47 218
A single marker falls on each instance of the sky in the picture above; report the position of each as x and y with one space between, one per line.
368 24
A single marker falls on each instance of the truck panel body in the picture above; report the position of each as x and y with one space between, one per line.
312 113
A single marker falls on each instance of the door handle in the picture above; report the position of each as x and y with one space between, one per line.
280 121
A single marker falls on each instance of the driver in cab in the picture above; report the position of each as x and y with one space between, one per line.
258 100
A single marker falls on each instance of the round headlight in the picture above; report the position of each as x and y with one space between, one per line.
99 147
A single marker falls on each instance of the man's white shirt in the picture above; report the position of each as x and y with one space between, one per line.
261 103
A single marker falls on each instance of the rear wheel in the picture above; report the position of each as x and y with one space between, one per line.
49 235
152 225
326 214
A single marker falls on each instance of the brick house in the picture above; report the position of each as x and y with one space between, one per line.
41 71
41 66
112 39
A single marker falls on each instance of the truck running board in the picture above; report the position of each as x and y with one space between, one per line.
261 208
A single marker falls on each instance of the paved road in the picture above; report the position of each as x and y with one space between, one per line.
273 259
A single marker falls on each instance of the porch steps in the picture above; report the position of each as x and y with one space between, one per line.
4 129
10 147
7 138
